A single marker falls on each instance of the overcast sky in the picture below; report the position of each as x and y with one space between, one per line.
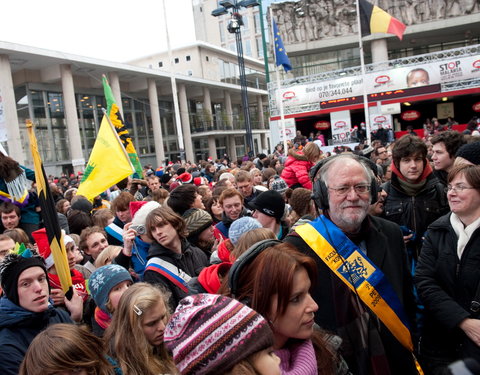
118 30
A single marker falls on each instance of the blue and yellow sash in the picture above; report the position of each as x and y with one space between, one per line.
353 267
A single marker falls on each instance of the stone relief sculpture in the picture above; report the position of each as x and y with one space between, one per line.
310 20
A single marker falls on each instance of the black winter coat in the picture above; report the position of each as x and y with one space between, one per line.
446 286
192 260
385 248
415 212
18 327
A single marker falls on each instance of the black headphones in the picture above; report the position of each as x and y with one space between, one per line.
246 258
320 190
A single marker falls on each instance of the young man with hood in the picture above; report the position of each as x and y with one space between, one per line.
25 308
416 198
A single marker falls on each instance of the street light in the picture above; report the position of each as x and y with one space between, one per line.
233 27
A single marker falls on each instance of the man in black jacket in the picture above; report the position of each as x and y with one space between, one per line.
416 198
343 188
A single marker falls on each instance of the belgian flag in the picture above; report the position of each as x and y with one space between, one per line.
50 218
376 20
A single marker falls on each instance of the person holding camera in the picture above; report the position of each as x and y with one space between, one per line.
135 240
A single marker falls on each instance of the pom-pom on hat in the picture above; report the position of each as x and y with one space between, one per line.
103 280
241 226
209 334
186 178
470 152
197 221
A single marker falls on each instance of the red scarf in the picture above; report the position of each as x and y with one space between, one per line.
426 172
78 282
102 318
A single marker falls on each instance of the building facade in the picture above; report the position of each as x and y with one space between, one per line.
321 37
63 96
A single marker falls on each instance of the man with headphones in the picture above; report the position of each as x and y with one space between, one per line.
353 251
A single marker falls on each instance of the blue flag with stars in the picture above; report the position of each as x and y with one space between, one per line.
281 57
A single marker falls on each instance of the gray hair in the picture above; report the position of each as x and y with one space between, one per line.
325 169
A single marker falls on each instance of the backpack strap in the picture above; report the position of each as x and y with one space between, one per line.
171 272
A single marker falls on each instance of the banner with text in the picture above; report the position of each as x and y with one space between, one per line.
341 127
422 74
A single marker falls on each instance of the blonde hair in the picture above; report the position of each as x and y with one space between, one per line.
248 239
124 337
107 255
65 347
312 152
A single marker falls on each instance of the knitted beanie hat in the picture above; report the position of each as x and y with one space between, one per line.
197 221
11 268
470 152
269 203
209 334
241 226
278 184
103 280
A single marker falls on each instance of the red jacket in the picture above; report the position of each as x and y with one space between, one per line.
296 171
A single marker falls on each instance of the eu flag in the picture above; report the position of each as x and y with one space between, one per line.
281 57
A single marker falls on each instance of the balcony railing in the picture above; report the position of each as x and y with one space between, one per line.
205 123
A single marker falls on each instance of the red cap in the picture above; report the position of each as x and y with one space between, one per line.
185 178
40 237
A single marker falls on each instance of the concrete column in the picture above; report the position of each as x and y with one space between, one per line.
70 111
232 150
207 105
261 120
10 118
263 142
156 124
185 119
117 93
228 108
212 148
379 50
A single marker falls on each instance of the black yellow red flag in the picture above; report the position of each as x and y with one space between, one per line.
50 218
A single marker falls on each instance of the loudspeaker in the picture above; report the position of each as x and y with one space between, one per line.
246 258
320 191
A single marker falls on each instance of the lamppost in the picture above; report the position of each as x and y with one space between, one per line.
233 7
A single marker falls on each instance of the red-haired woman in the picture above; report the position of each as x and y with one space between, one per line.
277 285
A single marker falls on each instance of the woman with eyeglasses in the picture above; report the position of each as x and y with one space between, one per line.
448 276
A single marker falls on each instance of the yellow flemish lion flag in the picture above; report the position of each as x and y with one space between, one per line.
108 163
50 218
113 113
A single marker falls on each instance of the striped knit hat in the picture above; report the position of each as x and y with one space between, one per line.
209 334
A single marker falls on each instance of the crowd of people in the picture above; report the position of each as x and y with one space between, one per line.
361 262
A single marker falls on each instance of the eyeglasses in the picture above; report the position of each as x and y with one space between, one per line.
344 190
457 188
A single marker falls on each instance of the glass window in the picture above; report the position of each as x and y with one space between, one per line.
187 58
160 64
256 21
222 31
259 44
248 48
177 60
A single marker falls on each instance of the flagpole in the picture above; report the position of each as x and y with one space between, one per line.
362 67
181 143
279 98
